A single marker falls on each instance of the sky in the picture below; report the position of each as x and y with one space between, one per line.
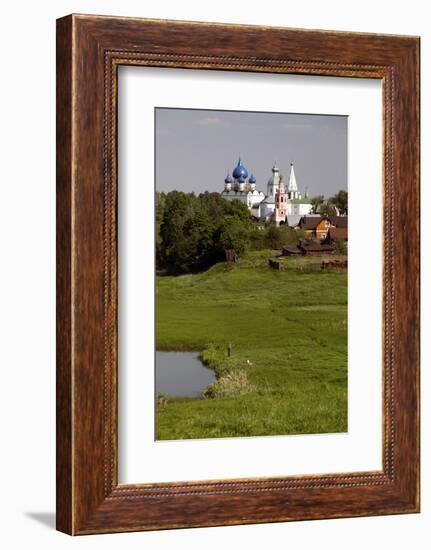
196 148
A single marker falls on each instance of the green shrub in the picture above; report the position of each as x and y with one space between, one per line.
231 376
231 384
340 246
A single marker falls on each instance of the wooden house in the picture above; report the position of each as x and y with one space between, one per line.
337 233
319 227
315 226
338 221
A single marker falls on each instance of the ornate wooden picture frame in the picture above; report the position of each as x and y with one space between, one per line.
89 51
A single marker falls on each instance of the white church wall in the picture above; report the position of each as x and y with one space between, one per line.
301 209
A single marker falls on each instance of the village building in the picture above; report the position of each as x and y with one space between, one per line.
278 204
323 228
338 222
337 233
280 210
241 187
315 227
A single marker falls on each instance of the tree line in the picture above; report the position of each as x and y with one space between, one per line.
327 207
194 232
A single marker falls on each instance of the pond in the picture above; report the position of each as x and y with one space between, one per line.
181 374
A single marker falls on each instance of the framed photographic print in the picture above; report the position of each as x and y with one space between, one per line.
237 274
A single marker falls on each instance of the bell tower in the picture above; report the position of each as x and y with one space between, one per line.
292 188
280 211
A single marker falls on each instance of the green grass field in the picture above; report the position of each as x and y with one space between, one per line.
288 330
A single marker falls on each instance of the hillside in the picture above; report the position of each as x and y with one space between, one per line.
288 331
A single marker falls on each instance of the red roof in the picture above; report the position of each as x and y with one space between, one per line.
310 222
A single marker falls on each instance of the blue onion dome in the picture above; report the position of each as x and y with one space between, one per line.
241 179
252 179
228 179
240 171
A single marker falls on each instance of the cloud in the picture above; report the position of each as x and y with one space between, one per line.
209 121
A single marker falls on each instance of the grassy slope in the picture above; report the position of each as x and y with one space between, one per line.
291 325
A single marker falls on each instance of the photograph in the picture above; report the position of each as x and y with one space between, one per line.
251 241
211 300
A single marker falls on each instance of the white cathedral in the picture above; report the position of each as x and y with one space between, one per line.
282 205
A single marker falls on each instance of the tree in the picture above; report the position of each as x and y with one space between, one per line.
327 209
160 207
239 210
233 234
273 237
174 248
340 200
316 202
192 233
198 231
213 204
